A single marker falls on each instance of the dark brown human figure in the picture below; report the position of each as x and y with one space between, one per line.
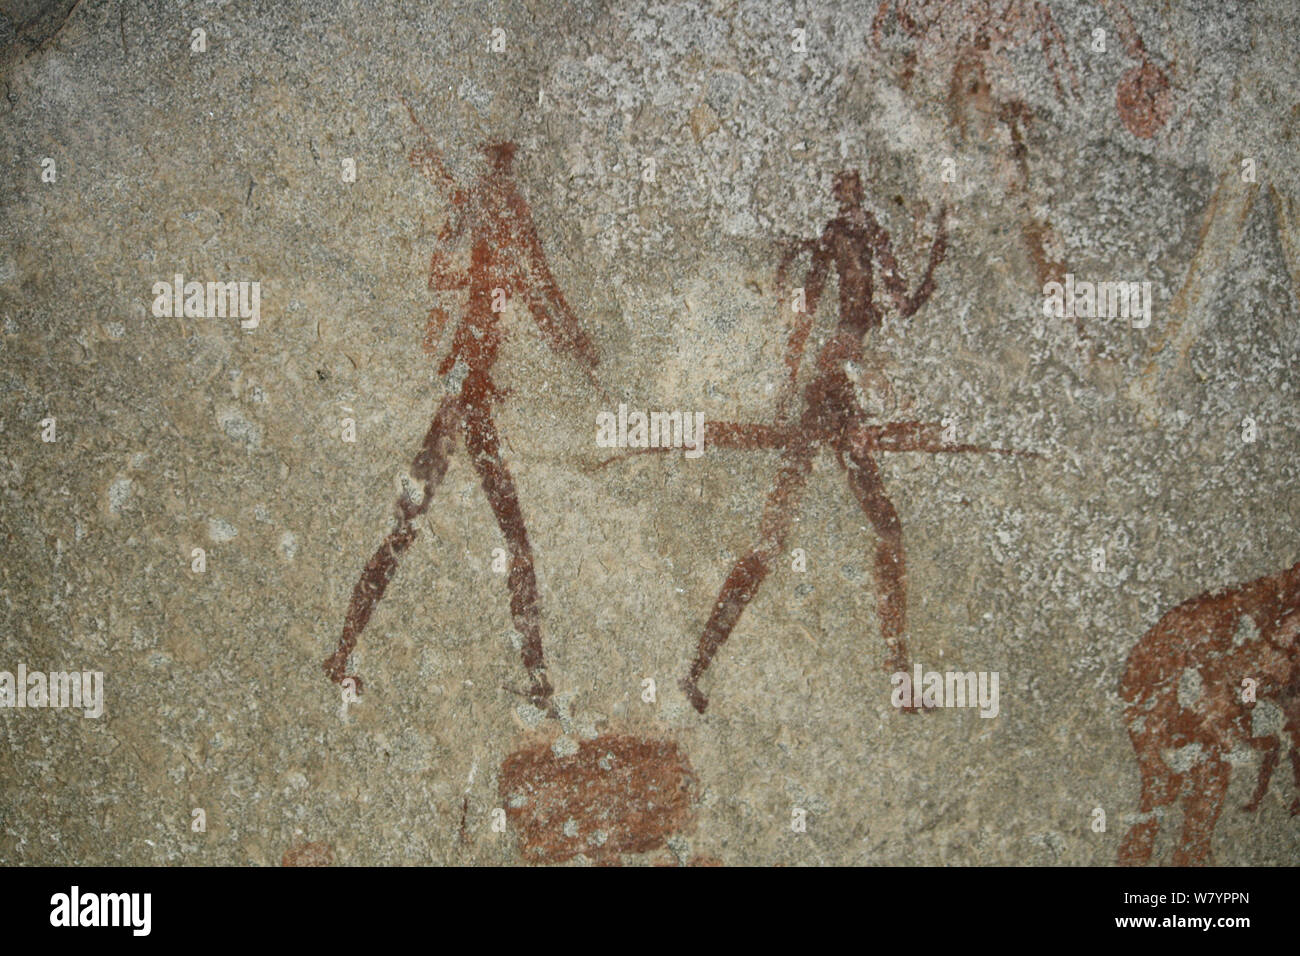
831 417
1187 700
505 260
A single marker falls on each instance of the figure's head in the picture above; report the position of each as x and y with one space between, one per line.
499 156
847 189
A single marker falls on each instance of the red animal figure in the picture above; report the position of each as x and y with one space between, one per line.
1188 705
505 259
832 418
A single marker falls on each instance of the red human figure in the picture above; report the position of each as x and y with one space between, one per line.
973 32
505 259
1188 706
967 40
831 417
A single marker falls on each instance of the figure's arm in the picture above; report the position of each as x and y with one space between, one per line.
892 275
428 161
554 318
426 158
814 283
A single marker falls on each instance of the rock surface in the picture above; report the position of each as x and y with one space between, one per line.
668 156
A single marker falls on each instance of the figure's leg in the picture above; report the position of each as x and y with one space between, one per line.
891 567
430 466
742 584
1207 786
525 604
1161 786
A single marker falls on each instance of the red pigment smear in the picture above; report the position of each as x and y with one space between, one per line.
1143 100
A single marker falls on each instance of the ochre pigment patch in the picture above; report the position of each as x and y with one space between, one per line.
1143 100
308 854
617 794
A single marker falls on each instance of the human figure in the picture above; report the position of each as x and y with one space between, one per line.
831 417
505 259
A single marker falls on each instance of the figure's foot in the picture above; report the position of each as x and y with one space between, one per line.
698 700
334 671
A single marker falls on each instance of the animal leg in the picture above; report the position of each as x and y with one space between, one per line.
1294 755
1161 786
1272 748
1207 787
